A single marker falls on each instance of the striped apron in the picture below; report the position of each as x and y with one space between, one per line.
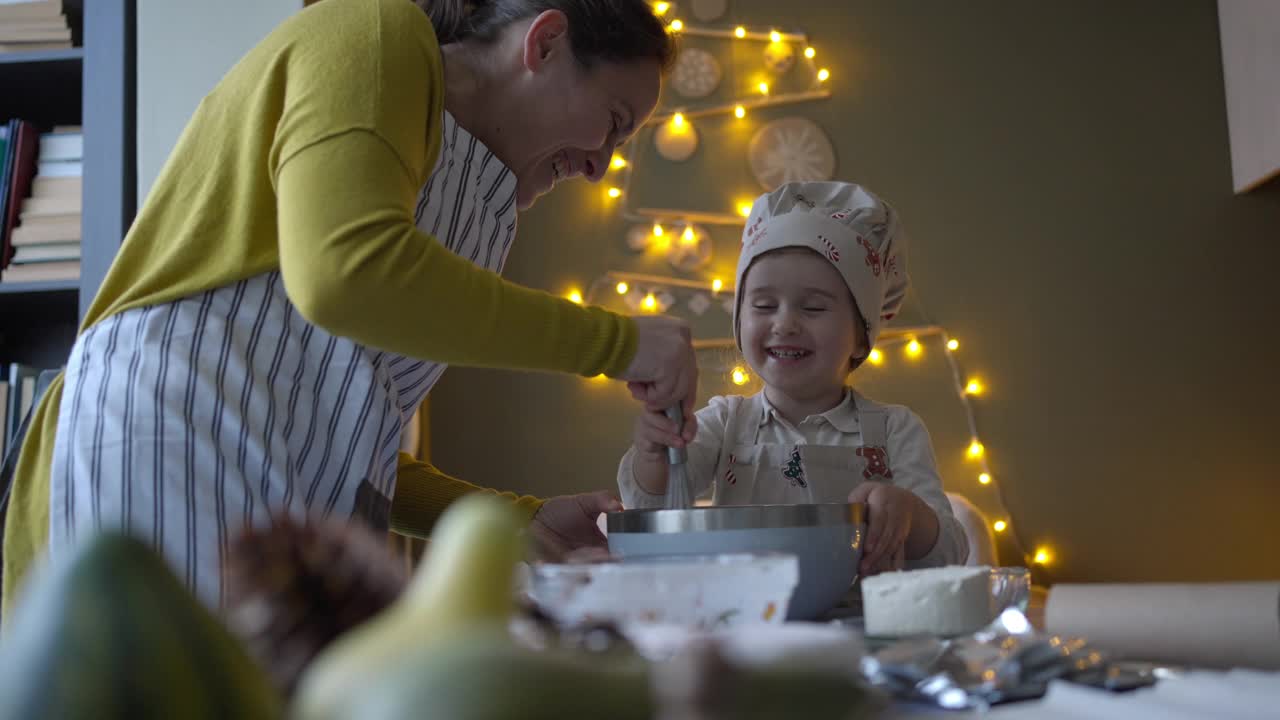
183 422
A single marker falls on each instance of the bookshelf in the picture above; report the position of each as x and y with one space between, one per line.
91 85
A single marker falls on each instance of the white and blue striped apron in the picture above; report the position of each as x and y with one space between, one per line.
186 421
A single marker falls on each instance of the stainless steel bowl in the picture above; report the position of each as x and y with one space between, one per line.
825 538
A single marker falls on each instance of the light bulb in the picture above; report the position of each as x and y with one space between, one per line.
974 387
914 348
823 74
740 376
953 344
775 36
717 285
764 88
575 297
677 121
810 52
677 25
985 478
649 303
1000 526
615 192
661 8
740 32
976 450
619 162
599 378
657 230
622 288
739 112
1043 556
875 357
687 237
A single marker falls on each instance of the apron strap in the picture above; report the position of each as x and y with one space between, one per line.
874 425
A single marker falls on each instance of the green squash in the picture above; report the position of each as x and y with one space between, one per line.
108 632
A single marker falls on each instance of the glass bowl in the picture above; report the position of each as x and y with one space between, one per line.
1010 588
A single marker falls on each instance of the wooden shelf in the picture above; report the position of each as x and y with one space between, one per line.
43 286
38 57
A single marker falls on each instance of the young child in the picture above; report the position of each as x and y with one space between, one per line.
821 270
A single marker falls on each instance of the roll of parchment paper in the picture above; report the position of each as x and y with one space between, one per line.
1205 625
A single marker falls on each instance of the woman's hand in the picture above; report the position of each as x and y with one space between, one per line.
568 522
664 371
655 432
900 525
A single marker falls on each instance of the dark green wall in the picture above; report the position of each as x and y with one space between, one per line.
1063 171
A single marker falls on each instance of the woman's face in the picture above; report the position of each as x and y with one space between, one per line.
573 117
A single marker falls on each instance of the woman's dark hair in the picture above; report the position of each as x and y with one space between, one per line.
608 30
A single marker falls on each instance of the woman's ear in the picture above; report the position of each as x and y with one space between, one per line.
547 36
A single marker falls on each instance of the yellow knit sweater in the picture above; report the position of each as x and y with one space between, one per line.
307 158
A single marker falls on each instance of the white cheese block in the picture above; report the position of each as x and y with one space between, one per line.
953 600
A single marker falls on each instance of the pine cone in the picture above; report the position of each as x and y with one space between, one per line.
295 587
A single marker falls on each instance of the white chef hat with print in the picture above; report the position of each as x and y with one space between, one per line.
844 223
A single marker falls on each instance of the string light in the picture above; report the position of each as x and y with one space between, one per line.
657 230
688 238
764 88
810 52
618 162
744 209
914 348
649 303
823 74
875 357
677 25
976 450
717 285
1000 526
739 112
740 32
740 376
575 297
677 121
775 36
974 387
622 288
661 8
1043 556
984 479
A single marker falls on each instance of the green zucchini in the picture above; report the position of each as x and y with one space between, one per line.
108 632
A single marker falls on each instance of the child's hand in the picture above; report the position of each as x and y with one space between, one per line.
891 511
655 432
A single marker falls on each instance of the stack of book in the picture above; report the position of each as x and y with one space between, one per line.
46 239
33 25
25 384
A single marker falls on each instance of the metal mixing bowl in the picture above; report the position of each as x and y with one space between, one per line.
825 538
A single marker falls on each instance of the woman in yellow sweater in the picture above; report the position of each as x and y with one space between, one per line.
321 243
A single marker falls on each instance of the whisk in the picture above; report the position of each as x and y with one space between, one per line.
678 495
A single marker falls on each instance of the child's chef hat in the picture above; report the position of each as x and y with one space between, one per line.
843 222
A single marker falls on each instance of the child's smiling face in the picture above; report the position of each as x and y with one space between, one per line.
798 324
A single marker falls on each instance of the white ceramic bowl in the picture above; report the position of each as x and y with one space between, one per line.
694 591
825 538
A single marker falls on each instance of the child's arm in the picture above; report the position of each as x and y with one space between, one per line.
642 474
915 469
